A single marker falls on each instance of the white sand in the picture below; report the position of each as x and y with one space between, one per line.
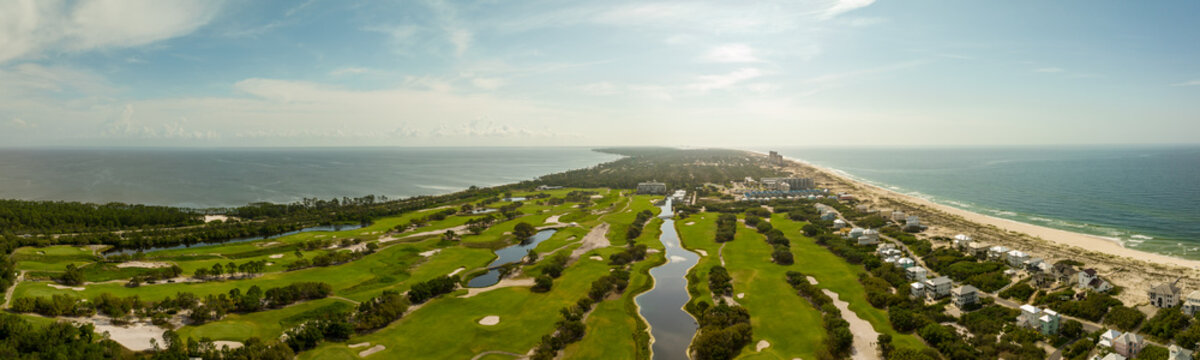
597 258
63 287
358 345
489 320
134 337
456 271
276 256
431 252
594 239
690 223
231 344
812 280
762 345
271 243
702 252
143 264
653 251
864 334
372 350
502 284
211 218
553 219
741 295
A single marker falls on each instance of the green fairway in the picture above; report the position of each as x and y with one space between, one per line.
264 324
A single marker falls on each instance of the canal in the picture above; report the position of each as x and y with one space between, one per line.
671 327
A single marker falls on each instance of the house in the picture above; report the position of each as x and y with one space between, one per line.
1174 352
1128 344
1034 264
828 215
1110 356
961 241
916 273
1043 280
862 208
912 224
964 295
855 233
917 289
997 253
652 187
839 223
883 248
978 250
1016 258
905 263
869 237
1064 271
1191 305
1107 337
1088 279
1165 295
898 215
1045 321
938 287
548 187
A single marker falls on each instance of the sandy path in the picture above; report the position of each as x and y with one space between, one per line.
64 287
502 284
456 271
8 293
594 239
721 254
864 334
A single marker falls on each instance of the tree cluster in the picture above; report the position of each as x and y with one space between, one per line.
571 328
428 289
726 227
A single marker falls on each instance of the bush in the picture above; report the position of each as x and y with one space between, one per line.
1165 324
426 290
542 284
1124 318
1019 292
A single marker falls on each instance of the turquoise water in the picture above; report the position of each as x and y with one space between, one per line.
203 178
1147 198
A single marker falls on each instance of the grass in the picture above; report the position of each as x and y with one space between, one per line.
264 324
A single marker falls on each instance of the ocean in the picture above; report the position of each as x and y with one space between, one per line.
1146 198
210 178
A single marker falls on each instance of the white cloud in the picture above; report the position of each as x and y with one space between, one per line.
843 6
29 28
731 53
1049 70
487 83
1188 83
714 82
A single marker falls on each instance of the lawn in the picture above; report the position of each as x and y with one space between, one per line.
264 324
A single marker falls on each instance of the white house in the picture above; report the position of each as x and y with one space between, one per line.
905 263
1034 264
869 237
1165 295
1107 337
964 295
855 233
938 287
997 253
961 241
898 215
978 250
1191 305
917 290
916 273
1088 279
1016 258
883 248
839 223
1043 320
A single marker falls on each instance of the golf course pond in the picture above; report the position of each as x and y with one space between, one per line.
671 327
510 254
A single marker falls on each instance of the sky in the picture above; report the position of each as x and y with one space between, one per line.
591 73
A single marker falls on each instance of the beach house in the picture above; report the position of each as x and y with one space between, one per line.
1174 352
1064 272
1090 280
856 232
652 188
1045 321
1107 337
898 216
1128 344
1191 305
916 290
905 263
961 241
839 223
912 223
938 287
1165 295
869 237
828 215
978 250
997 253
1035 264
1017 258
916 273
964 295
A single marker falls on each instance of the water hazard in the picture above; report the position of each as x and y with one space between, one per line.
507 255
671 326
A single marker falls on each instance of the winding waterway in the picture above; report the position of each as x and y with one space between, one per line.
510 254
671 327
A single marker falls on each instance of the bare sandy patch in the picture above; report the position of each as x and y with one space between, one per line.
143 264
211 218
702 252
134 337
812 280
653 251
741 295
276 256
64 287
597 258
456 271
231 344
762 345
594 239
431 252
553 219
690 223
489 320
358 345
372 350
502 284
269 243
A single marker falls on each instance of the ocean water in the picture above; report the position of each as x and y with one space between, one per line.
204 178
1146 198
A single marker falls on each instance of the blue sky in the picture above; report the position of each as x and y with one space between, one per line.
690 73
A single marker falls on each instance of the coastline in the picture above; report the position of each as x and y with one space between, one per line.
1132 269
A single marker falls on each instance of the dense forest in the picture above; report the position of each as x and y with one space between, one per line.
679 168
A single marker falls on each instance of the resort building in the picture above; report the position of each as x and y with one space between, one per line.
898 216
1128 344
1045 321
1089 280
775 158
1174 352
912 224
917 290
916 273
1191 305
794 183
774 184
961 241
1165 295
964 295
1016 258
652 187
938 287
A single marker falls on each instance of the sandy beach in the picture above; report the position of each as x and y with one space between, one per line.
1130 268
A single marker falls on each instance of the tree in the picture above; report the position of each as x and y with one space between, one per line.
217 269
531 256
542 284
523 230
73 276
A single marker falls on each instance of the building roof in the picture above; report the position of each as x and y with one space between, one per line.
1194 296
1129 337
916 269
1110 334
965 289
939 281
917 285
1029 309
1090 272
1165 288
1017 253
1113 356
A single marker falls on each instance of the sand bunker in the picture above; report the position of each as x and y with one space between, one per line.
358 345
552 219
762 345
276 256
863 332
231 344
702 252
63 287
431 252
812 280
489 320
372 350
211 218
594 239
143 264
597 258
266 244
502 284
690 223
456 271
134 337
741 295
